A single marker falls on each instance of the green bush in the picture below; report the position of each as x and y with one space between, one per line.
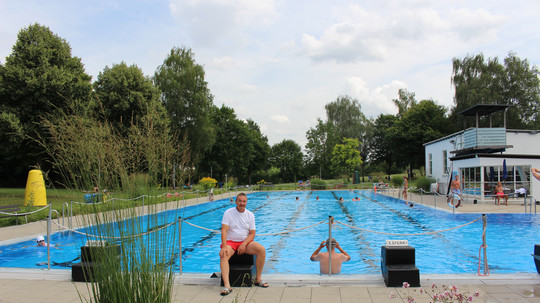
318 184
397 180
425 183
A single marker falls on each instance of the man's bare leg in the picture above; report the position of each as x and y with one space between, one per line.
224 266
257 249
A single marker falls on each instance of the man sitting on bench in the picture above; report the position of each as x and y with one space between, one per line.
237 234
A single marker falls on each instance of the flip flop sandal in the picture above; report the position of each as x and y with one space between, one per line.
261 284
225 291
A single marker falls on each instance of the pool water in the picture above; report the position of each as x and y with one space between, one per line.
510 237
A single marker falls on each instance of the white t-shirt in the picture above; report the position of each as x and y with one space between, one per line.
239 224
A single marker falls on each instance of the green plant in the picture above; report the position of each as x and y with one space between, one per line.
425 183
318 184
397 180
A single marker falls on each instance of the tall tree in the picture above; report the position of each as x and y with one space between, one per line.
321 141
187 99
39 78
346 114
232 154
381 149
126 95
261 150
346 157
480 81
404 101
287 156
422 123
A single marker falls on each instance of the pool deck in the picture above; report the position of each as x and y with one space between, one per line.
36 285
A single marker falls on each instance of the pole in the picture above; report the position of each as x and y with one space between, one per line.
49 241
484 224
180 243
329 244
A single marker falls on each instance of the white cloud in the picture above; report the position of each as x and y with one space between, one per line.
222 63
373 101
221 22
363 34
281 119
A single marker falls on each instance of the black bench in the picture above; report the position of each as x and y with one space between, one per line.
242 270
12 209
398 265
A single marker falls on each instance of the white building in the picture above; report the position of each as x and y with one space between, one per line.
478 156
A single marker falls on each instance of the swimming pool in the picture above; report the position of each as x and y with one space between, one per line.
510 237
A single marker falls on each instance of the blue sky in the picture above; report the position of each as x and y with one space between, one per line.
279 62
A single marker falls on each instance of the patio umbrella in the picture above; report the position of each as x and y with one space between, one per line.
491 173
505 172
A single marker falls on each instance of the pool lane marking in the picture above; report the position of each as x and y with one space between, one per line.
361 240
418 224
275 249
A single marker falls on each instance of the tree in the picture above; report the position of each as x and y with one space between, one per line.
126 95
346 157
522 89
346 115
381 149
287 156
232 154
478 81
187 99
405 101
422 123
39 78
321 141
261 150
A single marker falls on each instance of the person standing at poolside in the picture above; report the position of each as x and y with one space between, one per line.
337 258
405 187
455 186
237 234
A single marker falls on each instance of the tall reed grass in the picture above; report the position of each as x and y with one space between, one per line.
87 152
139 249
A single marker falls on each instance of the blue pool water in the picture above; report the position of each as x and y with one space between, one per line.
510 237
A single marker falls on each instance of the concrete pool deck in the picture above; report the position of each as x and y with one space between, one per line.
37 285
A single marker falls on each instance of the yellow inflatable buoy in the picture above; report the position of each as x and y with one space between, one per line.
35 194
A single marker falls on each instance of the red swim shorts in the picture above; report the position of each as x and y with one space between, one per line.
233 244
500 195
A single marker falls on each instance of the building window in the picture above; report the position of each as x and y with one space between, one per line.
445 161
430 167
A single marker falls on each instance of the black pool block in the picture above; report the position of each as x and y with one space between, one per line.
90 260
536 257
398 266
83 272
242 270
92 253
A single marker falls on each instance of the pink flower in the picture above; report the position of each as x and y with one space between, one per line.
406 285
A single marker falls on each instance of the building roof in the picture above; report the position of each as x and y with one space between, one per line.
483 109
